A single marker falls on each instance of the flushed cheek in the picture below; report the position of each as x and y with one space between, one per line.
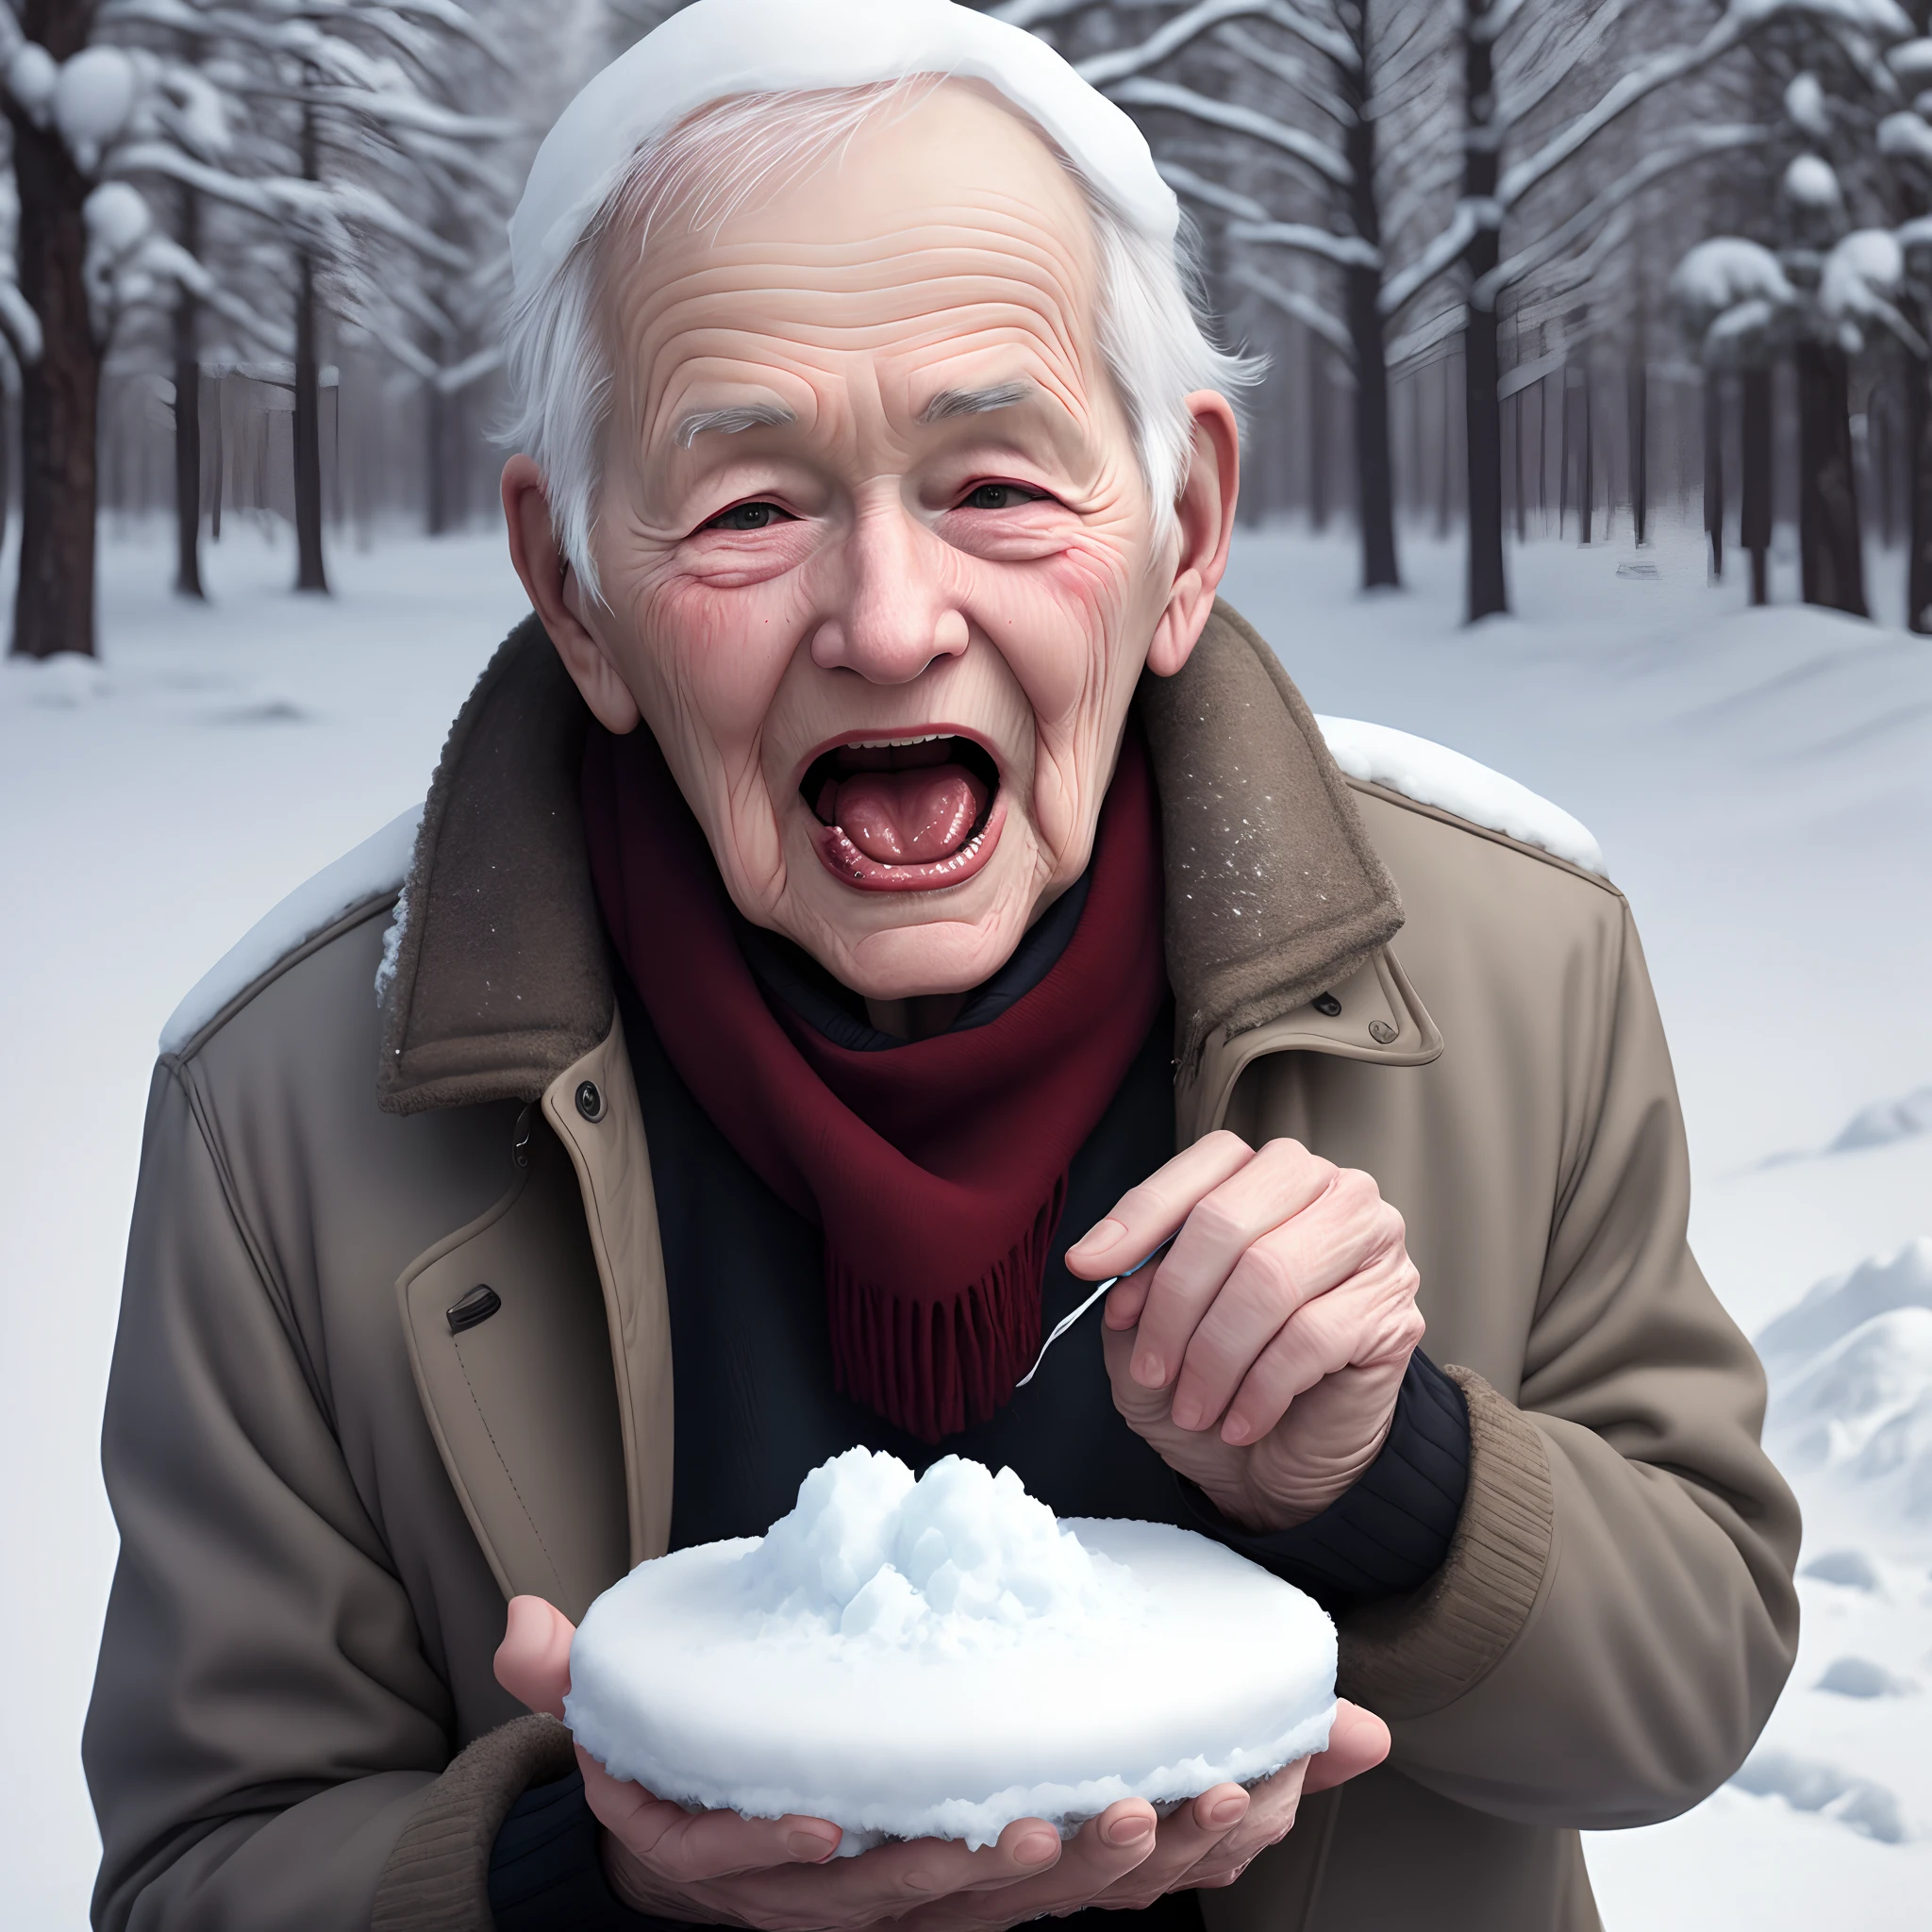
722 655
1051 620
1065 646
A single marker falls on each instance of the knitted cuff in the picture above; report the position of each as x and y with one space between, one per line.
438 1878
1391 1529
1406 1656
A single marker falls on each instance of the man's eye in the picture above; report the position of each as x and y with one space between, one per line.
748 516
1001 496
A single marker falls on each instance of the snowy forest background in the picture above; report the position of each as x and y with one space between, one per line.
1523 268
1570 305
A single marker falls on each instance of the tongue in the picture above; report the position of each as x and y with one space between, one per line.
906 818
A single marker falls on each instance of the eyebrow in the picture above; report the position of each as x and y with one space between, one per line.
733 421
974 402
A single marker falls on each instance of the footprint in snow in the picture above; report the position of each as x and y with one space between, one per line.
1858 1676
1806 1784
1852 1568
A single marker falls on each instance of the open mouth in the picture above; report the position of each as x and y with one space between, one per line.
905 814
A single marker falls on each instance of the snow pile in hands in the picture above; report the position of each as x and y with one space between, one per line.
940 1657
961 1561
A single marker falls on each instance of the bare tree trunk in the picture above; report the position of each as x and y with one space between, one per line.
1754 484
436 509
1586 470
1362 295
1318 401
1918 500
1442 491
187 415
1516 425
5 460
221 477
1542 454
309 574
1564 455
1878 448
1831 556
1714 470
1636 394
1481 354
59 390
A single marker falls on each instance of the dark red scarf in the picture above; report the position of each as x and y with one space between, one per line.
938 1169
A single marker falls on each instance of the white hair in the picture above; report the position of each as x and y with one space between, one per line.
1151 314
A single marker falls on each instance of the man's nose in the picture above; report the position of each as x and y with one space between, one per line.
893 611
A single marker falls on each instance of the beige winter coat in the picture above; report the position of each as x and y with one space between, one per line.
324 1495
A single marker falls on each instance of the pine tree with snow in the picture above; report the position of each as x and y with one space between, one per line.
1829 283
1544 91
352 152
318 120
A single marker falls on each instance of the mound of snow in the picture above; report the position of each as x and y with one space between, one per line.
1853 1568
1884 1122
1843 1302
1862 1410
1858 1676
1808 1785
940 1657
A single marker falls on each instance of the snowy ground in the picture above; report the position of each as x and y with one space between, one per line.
1762 785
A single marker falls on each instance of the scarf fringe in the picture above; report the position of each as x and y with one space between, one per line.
933 1367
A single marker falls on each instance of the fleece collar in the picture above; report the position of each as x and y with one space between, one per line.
502 974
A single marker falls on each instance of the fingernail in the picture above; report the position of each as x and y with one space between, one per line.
1229 1811
1102 1234
1035 1848
1235 1429
1149 1370
1128 1831
1187 1414
808 1846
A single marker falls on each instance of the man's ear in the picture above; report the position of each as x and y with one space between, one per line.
1205 516
558 597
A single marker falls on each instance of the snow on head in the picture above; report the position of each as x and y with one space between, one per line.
940 1657
719 48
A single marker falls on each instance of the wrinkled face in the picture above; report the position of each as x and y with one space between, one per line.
878 561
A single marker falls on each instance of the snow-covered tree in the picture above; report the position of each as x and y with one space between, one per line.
1839 278
1293 133
351 152
85 250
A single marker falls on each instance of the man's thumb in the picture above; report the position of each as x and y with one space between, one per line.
1358 1742
533 1660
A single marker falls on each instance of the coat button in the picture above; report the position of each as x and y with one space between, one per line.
1326 1003
477 1306
590 1101
1381 1032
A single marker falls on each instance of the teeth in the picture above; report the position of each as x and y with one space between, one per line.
893 743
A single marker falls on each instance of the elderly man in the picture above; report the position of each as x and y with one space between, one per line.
877 893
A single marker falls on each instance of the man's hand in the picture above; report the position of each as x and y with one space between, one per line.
717 1868
1262 1359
